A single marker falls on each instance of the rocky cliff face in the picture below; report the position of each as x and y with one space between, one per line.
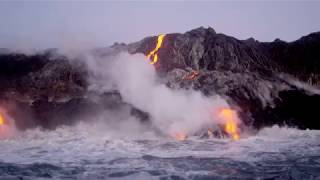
259 79
268 83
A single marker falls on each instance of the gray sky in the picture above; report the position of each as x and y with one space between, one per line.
46 24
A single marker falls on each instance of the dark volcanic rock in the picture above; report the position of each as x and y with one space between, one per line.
293 108
33 86
41 75
246 72
300 58
48 90
259 79
204 50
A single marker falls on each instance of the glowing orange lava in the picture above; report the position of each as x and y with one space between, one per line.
153 56
2 121
230 118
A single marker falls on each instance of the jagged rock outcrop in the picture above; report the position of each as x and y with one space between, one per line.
299 58
257 78
250 74
48 90
40 76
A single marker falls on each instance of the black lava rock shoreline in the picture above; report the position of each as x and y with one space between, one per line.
267 82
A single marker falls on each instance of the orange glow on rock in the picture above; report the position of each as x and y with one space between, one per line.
2 120
153 56
7 128
229 116
192 75
180 136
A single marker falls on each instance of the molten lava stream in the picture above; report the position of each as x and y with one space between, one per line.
3 128
7 127
153 54
230 119
2 121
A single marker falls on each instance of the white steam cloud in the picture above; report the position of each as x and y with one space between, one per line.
170 110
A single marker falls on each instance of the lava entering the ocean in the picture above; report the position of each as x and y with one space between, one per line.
228 115
4 128
2 120
153 56
230 118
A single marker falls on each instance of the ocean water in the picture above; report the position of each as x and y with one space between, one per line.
80 152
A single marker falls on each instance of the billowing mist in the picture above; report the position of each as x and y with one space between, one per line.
171 111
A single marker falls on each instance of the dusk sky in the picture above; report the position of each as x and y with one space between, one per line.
47 24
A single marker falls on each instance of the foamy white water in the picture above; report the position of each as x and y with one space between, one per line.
87 152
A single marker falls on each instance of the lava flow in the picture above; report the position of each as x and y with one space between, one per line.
2 121
6 128
230 118
153 56
3 127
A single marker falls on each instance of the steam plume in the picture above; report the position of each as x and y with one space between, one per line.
170 110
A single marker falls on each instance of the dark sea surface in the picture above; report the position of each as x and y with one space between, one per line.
79 153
